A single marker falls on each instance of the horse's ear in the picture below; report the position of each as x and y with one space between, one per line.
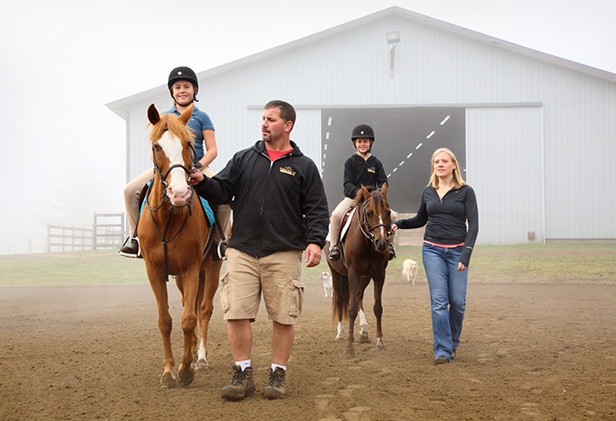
153 115
365 193
384 190
186 114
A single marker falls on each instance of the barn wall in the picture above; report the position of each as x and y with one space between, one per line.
504 164
435 66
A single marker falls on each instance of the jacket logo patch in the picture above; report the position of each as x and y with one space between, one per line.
372 170
287 170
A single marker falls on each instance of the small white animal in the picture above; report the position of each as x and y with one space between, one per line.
409 270
327 283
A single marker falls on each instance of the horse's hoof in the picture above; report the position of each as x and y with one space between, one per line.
350 351
380 344
364 339
339 337
201 365
186 376
167 381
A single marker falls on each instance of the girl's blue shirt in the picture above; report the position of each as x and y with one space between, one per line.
199 121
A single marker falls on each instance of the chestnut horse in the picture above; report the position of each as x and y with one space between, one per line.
365 254
174 235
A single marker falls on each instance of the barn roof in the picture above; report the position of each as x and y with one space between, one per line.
118 106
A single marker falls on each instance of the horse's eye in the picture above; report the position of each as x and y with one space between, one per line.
157 147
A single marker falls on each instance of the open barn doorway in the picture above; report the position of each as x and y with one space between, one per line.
405 139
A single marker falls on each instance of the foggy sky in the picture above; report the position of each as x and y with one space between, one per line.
63 60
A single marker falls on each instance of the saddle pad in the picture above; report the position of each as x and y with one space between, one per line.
345 228
206 207
208 211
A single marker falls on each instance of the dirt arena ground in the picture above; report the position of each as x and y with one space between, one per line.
528 352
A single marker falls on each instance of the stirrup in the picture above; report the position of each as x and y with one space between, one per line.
131 247
219 250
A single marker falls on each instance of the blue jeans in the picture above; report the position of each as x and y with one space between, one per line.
447 296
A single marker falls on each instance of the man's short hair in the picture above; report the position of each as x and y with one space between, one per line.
287 112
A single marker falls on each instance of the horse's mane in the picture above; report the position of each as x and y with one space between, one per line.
172 123
359 197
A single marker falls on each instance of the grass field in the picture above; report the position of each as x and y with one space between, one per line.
561 262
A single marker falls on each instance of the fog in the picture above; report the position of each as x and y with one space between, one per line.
63 60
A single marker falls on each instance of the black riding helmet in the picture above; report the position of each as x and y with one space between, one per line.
183 73
364 131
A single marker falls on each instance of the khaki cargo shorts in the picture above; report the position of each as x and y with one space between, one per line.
277 276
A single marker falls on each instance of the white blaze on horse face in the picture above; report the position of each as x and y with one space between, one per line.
382 227
178 189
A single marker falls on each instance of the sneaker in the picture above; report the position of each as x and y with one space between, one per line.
441 359
130 248
240 386
334 253
453 353
275 385
392 252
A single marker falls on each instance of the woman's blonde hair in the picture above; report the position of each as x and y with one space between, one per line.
457 176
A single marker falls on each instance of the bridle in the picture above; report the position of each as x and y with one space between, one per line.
365 228
163 178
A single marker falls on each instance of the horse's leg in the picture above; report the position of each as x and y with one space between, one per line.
199 351
340 331
158 283
212 278
354 278
379 281
364 338
340 328
180 286
190 288
340 301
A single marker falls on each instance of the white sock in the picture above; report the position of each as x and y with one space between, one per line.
244 364
284 367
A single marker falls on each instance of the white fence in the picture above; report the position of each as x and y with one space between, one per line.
107 232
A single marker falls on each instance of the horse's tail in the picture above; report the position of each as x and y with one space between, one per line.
340 297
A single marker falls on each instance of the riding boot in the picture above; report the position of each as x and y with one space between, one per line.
334 253
220 243
392 251
219 250
130 248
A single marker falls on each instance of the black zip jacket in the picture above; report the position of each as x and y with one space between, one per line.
359 171
277 206
447 219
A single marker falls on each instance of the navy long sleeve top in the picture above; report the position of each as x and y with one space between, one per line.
454 219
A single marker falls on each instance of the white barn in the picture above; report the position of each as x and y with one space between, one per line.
535 134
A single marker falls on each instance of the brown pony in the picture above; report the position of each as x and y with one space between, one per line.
365 254
174 235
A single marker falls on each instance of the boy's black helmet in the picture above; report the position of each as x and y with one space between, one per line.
182 73
363 130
